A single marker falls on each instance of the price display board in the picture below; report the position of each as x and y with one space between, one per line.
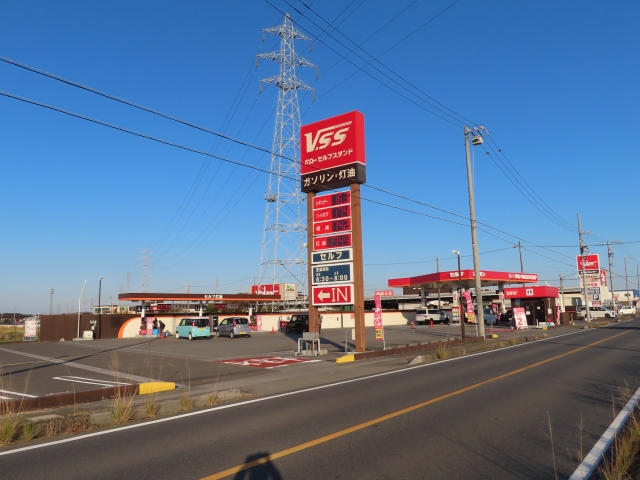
332 241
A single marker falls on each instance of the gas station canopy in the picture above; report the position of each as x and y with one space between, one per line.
197 297
466 278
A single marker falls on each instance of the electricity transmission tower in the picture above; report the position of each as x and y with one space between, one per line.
283 257
145 263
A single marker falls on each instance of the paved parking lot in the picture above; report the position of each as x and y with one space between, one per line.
37 369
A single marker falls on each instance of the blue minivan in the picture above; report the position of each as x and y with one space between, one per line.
193 328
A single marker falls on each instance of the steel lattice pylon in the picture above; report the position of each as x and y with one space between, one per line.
283 258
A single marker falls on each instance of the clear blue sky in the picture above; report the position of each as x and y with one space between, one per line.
556 84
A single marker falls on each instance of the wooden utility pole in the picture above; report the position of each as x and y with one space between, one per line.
358 273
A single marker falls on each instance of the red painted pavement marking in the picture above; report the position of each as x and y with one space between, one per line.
266 362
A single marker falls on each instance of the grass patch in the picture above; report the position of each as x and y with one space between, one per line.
186 400
442 351
151 406
11 333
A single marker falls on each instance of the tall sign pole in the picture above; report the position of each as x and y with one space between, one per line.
358 290
332 156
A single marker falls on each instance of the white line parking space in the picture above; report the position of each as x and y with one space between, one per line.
89 381
9 392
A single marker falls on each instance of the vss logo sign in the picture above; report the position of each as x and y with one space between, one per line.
325 137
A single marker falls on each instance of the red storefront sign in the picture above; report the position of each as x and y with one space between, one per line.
333 295
268 289
531 292
332 152
332 241
592 262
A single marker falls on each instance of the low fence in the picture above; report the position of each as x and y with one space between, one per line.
56 327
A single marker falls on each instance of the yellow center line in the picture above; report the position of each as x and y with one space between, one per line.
355 428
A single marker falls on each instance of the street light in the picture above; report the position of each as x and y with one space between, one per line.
476 139
626 277
456 252
51 303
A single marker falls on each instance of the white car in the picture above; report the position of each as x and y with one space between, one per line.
627 310
596 312
436 315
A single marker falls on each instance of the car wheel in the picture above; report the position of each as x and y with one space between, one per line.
177 335
190 336
248 336
288 330
606 315
217 334
231 335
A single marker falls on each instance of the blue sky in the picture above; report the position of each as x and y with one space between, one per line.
555 83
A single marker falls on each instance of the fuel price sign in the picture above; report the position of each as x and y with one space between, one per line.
333 213
332 241
332 226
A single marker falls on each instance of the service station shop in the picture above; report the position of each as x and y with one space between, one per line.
540 302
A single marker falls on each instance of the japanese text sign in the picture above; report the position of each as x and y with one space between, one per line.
591 262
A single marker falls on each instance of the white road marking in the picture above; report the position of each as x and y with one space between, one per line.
264 399
592 460
16 393
89 381
5 398
69 363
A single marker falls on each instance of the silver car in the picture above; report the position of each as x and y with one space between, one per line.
234 327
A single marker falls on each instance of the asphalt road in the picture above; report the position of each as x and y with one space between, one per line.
45 368
482 416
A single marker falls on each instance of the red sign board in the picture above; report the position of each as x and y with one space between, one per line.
333 213
332 142
268 289
384 293
332 153
332 226
592 262
324 201
537 291
333 295
332 241
160 306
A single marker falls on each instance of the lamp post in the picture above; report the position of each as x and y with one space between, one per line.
456 252
99 308
626 278
79 299
51 303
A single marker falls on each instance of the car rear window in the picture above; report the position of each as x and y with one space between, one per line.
242 321
421 312
434 312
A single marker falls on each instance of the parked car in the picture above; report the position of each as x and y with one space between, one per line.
424 315
234 327
298 324
194 327
596 312
627 310
489 316
507 316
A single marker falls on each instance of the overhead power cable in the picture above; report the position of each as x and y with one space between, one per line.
253 167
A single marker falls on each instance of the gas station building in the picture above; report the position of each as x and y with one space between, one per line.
540 302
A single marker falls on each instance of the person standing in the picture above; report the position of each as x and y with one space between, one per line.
161 328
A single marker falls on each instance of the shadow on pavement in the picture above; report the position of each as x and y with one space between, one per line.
259 468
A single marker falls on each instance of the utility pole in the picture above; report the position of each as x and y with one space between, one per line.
583 250
51 303
521 264
460 313
626 278
438 270
99 308
476 139
145 263
561 293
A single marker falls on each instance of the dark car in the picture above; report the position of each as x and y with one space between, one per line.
298 323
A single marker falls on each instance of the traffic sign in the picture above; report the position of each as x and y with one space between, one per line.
333 273
332 226
332 213
332 241
332 295
332 256
332 200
